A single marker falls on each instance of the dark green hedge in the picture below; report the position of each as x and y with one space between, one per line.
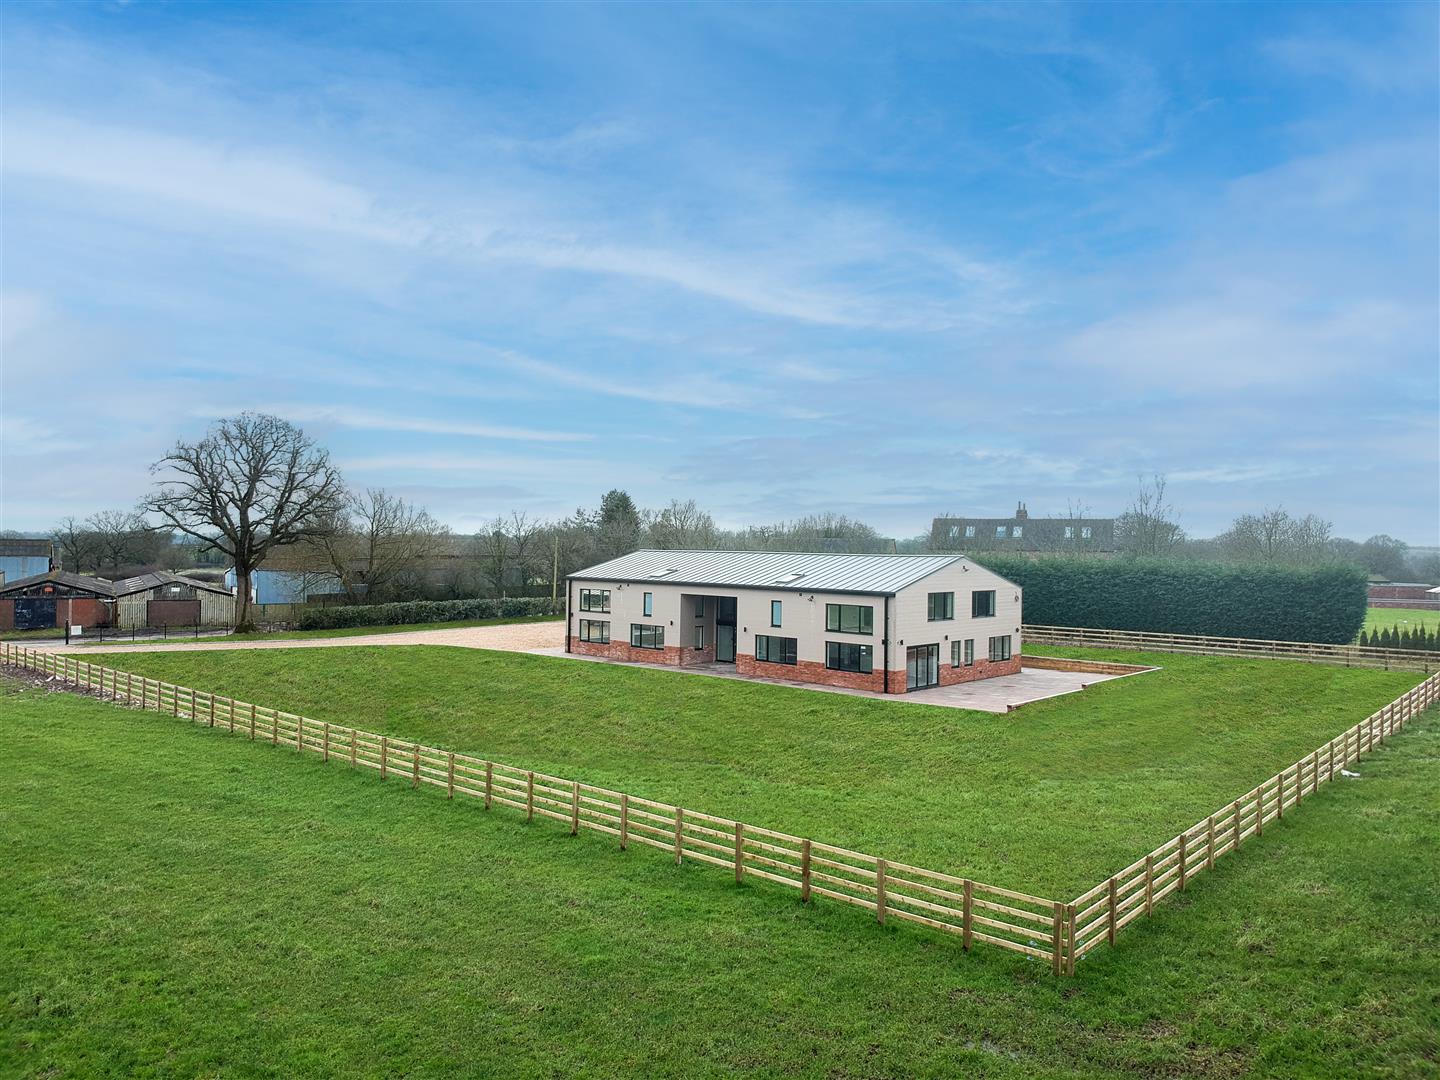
424 611
1250 600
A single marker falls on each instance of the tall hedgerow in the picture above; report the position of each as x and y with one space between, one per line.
1250 600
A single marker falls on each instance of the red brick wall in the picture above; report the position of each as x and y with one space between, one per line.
623 650
7 614
981 669
811 671
692 655
82 612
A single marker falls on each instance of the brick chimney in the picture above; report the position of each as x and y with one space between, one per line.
1021 514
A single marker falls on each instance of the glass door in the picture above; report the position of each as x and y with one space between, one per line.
725 643
922 667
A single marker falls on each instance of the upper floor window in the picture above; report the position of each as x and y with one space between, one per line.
982 604
954 531
1085 533
850 618
1018 531
1069 532
999 532
970 532
940 605
595 600
775 612
699 607
649 603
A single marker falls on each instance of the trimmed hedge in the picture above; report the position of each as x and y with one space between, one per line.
425 611
1168 596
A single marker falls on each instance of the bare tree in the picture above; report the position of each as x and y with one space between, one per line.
372 543
75 544
527 547
117 537
683 525
1149 525
493 547
253 483
1275 536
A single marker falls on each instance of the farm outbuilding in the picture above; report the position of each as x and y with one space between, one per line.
158 599
22 558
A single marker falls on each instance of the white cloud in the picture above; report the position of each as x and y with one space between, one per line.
375 420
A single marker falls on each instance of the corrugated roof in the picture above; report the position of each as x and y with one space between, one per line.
20 547
98 586
807 571
112 589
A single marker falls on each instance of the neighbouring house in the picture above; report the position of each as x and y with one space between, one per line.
158 599
1024 534
23 558
885 623
289 586
1403 594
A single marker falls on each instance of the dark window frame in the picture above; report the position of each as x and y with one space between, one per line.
853 656
587 631
654 631
1004 649
975 604
865 618
777 608
946 606
787 649
587 601
647 605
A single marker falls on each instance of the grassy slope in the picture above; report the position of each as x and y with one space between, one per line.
1405 618
181 903
1048 799
284 635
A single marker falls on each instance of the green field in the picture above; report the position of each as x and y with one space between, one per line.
284 635
1049 799
1405 618
177 902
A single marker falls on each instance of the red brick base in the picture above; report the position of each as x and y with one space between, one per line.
811 671
623 650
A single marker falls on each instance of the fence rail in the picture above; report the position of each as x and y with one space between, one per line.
1205 645
1035 926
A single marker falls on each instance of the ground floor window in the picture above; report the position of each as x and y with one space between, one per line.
645 636
596 631
845 656
962 653
1000 647
774 650
922 667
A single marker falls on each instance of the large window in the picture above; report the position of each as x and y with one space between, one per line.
595 631
775 612
1000 647
699 607
962 653
982 604
649 604
848 656
941 605
595 600
850 618
774 650
644 636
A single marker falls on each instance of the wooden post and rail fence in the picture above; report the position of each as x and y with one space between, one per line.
1054 931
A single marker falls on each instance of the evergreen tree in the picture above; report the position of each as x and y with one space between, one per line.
1362 641
619 525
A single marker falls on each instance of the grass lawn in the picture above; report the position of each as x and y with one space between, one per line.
1405 618
349 631
1048 799
177 902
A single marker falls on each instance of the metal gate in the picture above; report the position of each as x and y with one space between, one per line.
34 612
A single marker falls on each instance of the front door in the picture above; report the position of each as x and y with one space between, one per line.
725 643
922 667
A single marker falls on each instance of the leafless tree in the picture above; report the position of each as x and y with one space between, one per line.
683 525
75 544
527 546
1275 536
253 483
376 540
493 548
117 537
1149 525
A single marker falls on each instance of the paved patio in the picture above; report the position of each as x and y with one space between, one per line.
997 695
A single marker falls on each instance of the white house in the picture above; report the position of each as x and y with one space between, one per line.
887 623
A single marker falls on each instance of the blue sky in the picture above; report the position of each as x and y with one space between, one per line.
886 260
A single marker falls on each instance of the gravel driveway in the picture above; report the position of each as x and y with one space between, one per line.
513 637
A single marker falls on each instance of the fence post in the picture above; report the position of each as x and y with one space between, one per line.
1235 824
1055 950
299 733
384 757
174 700
450 776
325 748
274 727
489 782
574 807
804 871
880 891
1110 915
739 852
354 747
624 820
1210 842
1182 861
1149 884
679 827
967 892
1299 781
252 723
1280 796
212 710
415 775
530 796
1070 937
